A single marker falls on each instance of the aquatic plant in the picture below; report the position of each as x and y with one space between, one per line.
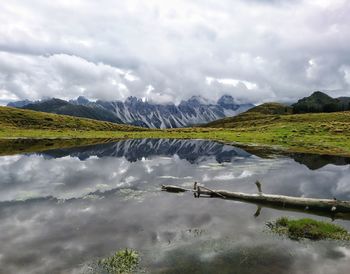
308 229
121 262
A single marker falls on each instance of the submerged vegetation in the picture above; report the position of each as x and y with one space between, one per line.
308 229
122 262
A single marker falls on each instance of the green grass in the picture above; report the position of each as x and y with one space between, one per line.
271 108
14 120
123 261
323 133
308 229
320 133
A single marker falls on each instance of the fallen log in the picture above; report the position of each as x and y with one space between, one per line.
175 189
307 204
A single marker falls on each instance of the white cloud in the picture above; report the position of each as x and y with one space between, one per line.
61 75
112 49
233 82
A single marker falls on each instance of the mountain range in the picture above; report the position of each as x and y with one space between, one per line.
194 111
134 111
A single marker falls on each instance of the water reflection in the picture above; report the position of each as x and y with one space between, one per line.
315 161
194 151
61 209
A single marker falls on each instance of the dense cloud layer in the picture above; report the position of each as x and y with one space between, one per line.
166 51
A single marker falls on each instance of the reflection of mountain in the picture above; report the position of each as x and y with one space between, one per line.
314 161
193 151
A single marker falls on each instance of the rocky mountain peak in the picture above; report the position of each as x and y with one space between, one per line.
200 99
81 100
226 100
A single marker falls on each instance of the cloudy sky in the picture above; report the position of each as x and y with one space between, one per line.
267 50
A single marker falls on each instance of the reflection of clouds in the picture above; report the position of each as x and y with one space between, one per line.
49 235
30 177
297 180
224 176
62 178
262 255
60 237
231 176
25 177
343 185
245 173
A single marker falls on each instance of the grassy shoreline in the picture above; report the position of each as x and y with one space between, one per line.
317 133
330 145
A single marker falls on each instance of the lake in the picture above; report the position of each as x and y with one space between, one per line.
63 209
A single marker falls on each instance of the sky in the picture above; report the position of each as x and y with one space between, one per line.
166 51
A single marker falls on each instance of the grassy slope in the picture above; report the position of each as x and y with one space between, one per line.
313 132
324 133
13 119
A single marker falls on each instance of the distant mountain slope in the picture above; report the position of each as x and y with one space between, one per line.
15 118
272 108
63 107
254 115
321 102
196 110
19 104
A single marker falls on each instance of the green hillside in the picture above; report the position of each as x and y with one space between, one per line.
262 114
321 102
326 133
21 119
59 106
271 108
255 119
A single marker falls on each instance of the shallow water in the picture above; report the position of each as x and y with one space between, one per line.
61 210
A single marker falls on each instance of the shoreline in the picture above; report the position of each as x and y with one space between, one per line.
33 141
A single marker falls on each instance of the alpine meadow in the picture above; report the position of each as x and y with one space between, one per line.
175 136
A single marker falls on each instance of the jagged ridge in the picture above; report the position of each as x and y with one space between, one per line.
134 111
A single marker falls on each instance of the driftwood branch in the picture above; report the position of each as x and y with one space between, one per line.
306 204
197 188
258 211
258 185
175 189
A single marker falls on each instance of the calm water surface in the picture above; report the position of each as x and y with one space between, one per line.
61 210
